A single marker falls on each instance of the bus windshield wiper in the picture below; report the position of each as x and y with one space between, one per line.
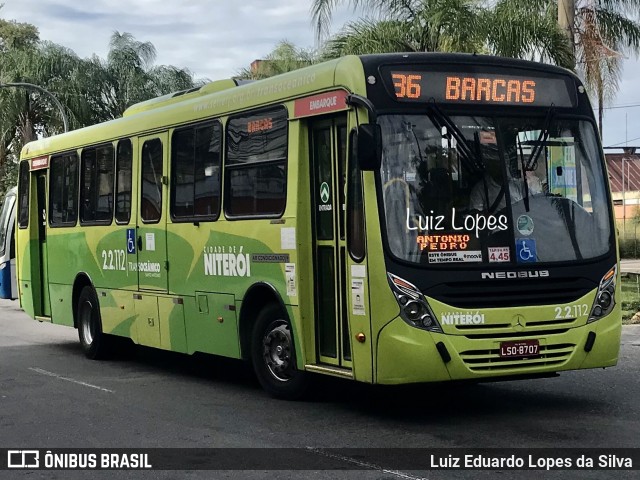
523 166
441 119
542 138
540 143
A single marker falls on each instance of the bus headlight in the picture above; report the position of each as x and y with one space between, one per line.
605 298
414 308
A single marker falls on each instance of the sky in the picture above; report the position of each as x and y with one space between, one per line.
217 38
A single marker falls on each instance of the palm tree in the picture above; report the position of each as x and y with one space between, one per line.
28 113
604 36
434 25
599 32
91 90
526 29
446 26
397 25
127 76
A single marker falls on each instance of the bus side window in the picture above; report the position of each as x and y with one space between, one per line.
123 181
63 190
151 201
96 185
355 205
256 166
195 172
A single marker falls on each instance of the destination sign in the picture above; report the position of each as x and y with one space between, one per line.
39 163
479 88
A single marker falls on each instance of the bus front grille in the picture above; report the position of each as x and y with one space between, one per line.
481 361
511 293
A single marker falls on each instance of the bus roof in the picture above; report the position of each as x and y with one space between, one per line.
213 99
461 58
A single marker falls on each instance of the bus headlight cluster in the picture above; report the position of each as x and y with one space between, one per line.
414 309
605 298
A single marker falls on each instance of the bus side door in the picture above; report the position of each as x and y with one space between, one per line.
151 237
152 214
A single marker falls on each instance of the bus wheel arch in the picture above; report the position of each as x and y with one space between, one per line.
267 341
257 297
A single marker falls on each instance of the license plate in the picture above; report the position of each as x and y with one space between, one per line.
520 349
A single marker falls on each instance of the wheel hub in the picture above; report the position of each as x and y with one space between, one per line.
277 352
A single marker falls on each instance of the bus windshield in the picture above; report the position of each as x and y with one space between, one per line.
488 189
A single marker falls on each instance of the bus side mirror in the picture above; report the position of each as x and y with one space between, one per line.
369 146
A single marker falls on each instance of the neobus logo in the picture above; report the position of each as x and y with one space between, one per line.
511 275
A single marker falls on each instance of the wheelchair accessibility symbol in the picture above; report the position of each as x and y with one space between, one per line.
131 242
526 250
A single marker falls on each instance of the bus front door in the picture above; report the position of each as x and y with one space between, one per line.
42 308
328 138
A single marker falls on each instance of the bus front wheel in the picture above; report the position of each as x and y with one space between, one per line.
273 355
94 343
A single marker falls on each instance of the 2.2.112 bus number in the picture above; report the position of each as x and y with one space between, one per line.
572 311
114 260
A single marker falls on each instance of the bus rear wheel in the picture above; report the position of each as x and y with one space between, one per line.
95 344
273 355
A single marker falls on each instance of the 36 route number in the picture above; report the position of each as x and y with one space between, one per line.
406 86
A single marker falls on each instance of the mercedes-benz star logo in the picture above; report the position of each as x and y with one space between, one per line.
518 322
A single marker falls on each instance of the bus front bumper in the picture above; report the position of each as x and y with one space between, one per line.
407 354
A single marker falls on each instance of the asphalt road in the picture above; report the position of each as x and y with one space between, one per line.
52 397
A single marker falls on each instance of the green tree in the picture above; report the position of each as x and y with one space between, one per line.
445 26
28 113
604 35
526 29
91 90
17 35
126 77
413 26
285 57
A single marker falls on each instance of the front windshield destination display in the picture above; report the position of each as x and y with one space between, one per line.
525 89
479 189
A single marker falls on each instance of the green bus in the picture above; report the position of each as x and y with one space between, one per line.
389 219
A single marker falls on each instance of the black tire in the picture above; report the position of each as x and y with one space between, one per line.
273 355
95 344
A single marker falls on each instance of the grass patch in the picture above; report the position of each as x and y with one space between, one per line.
630 298
629 238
